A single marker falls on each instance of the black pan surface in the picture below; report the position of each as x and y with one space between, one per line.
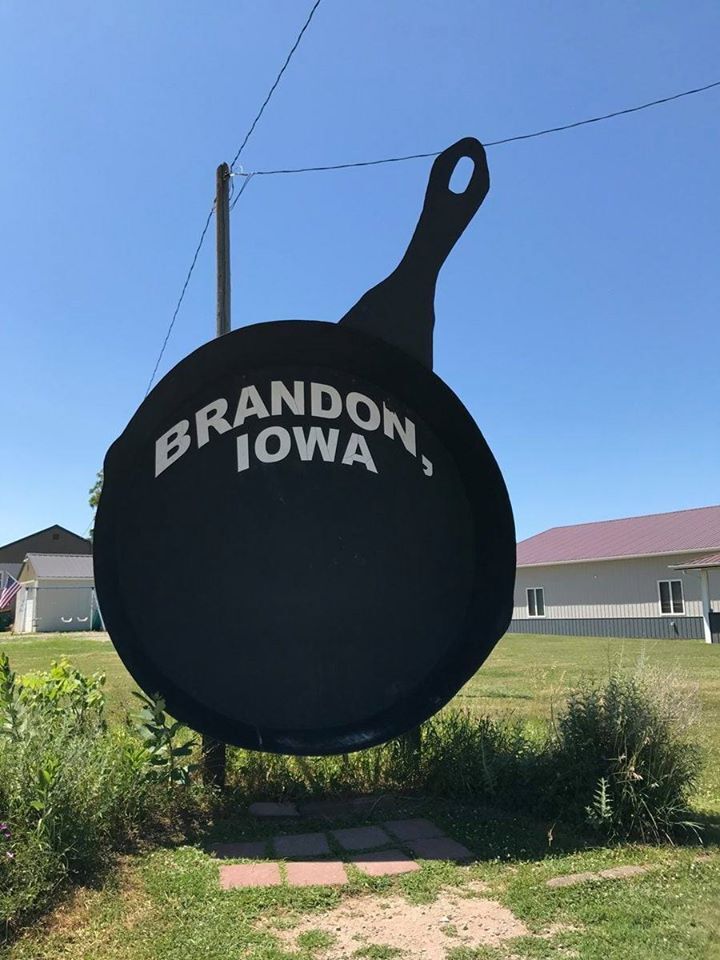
303 569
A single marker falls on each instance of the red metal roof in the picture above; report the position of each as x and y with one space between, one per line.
663 533
697 563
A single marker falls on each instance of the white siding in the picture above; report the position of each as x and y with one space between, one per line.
610 588
48 606
63 605
25 609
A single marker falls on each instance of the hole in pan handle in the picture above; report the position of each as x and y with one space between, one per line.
400 309
446 214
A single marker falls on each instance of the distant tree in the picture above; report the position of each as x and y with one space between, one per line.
94 496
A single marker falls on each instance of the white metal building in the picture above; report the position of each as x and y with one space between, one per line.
651 576
57 593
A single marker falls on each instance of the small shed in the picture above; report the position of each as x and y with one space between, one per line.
54 539
57 593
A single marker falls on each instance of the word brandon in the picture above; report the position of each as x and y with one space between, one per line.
275 443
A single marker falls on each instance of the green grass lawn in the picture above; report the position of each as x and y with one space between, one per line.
90 653
166 904
525 675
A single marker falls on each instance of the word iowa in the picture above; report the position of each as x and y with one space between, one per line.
274 443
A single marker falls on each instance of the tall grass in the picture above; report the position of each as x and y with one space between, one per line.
618 758
391 767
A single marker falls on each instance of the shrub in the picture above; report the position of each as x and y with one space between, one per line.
623 756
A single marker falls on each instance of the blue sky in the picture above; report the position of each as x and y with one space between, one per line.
577 318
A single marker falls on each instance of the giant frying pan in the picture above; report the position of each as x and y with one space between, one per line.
303 541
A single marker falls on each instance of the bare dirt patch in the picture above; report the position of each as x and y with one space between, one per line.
422 931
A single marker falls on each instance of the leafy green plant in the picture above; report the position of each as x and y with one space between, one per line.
75 791
167 759
600 811
65 690
11 714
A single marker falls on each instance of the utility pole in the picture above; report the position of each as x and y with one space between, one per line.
222 225
213 751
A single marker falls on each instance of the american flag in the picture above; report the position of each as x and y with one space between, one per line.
9 586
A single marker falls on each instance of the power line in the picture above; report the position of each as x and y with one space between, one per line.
181 297
491 143
373 163
278 78
260 112
248 177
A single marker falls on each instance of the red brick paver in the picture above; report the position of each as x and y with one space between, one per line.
302 845
440 848
249 875
274 810
310 873
386 863
418 829
248 850
361 838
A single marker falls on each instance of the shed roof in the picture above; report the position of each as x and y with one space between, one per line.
683 531
61 566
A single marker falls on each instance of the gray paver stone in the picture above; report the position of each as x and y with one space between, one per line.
440 848
263 809
611 873
618 873
244 850
361 838
301 845
570 879
417 829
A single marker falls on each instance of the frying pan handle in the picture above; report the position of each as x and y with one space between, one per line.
401 309
445 214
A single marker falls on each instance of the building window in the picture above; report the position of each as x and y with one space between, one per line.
671 596
536 601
